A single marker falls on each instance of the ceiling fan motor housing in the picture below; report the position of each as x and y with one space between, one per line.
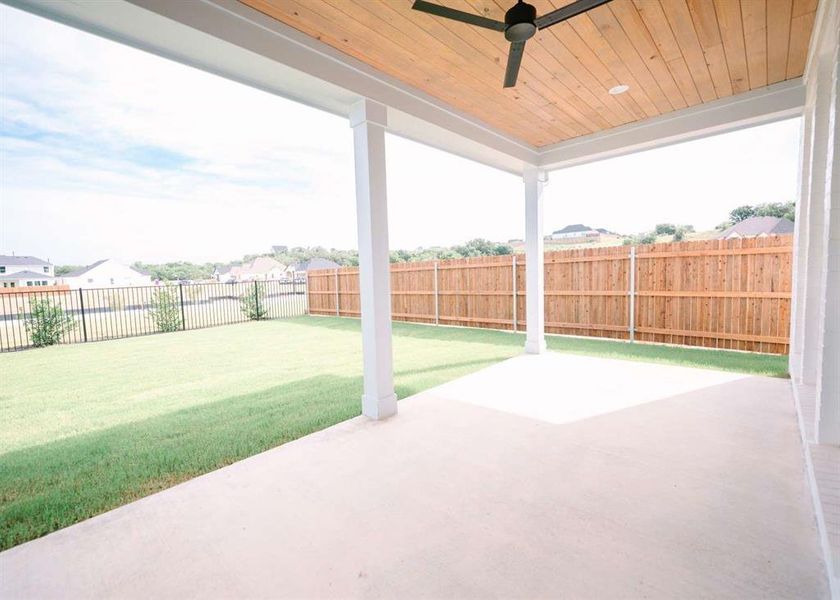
520 22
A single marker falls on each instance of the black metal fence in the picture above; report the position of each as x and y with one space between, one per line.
110 313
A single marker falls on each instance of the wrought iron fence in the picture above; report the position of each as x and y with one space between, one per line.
94 314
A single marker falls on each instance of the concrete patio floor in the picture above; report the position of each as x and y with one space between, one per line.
542 476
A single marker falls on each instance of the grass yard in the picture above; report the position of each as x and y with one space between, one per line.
85 428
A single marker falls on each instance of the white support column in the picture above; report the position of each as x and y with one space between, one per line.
368 120
828 370
800 247
534 261
811 346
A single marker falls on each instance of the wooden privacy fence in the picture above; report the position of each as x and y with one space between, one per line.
732 294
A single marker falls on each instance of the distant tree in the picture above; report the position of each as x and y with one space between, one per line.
784 210
176 271
679 234
482 247
64 269
640 238
737 215
401 256
665 229
447 254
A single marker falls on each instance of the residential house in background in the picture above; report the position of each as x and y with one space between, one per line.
575 234
298 270
758 227
106 273
25 271
262 268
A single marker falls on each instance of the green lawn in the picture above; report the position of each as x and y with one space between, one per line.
85 428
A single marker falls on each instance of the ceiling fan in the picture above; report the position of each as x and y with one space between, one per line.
520 25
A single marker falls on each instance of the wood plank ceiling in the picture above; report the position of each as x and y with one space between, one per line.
672 53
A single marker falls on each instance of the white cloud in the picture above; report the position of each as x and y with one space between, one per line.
109 151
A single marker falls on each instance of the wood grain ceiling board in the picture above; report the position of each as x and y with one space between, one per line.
672 53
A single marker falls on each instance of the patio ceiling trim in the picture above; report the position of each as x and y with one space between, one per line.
766 105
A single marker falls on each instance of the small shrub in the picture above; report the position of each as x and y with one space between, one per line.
165 309
47 322
252 303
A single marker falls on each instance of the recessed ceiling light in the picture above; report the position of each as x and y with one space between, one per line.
619 89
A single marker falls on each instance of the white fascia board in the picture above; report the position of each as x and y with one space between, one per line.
232 40
774 103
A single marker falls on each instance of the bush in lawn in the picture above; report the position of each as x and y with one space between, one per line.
165 309
252 303
47 322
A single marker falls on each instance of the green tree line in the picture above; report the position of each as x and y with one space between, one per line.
184 270
786 210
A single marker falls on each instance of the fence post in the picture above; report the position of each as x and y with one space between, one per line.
631 294
437 297
82 309
256 299
181 296
337 298
306 295
515 307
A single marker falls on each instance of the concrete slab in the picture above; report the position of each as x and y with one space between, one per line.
696 490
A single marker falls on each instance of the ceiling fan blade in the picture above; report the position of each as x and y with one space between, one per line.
567 12
514 60
457 15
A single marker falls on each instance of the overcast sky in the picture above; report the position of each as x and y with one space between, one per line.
106 151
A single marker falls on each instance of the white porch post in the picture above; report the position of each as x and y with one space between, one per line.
368 120
819 100
800 246
534 261
828 370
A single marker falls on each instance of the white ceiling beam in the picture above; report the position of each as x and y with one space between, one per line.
758 107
